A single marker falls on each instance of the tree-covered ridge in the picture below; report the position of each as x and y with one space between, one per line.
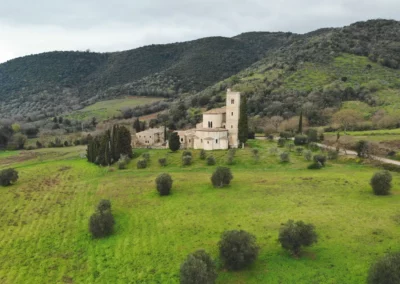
55 82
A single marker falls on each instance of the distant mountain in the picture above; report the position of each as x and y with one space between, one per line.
54 82
271 67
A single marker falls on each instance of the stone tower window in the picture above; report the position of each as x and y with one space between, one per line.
232 101
231 126
216 141
210 124
232 113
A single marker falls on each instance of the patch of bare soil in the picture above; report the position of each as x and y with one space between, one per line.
23 156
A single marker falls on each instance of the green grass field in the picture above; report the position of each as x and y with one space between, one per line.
108 109
44 218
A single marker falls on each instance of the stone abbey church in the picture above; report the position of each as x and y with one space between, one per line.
219 129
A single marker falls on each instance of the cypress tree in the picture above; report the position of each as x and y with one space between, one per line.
173 142
300 131
136 125
124 144
243 122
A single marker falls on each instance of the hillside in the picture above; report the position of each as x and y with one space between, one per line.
41 85
323 71
281 72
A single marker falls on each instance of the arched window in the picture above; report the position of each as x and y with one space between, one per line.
232 101
232 113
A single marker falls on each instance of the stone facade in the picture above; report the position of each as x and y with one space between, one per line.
219 129
149 137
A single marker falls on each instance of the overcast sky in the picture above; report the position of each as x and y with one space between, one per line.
34 26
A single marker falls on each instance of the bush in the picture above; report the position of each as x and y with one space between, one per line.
146 156
237 249
312 135
290 146
307 155
333 155
286 135
104 205
203 155
162 162
101 223
210 161
362 149
198 268
8 176
386 270
299 150
164 184
314 166
294 235
141 164
313 146
300 140
221 177
186 160
123 162
285 157
321 159
186 153
281 142
273 151
381 183
270 137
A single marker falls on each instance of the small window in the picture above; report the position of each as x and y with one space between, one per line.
232 101
232 113
216 141
150 136
208 142
189 140
231 126
181 139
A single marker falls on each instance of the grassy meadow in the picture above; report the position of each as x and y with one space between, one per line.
107 109
44 218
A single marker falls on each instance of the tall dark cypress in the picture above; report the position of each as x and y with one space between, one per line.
124 143
300 130
243 122
136 125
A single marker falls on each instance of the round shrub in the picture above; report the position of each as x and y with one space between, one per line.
285 157
386 270
270 137
362 149
186 153
162 162
101 224
281 142
141 164
104 205
381 183
198 268
123 162
273 151
186 160
313 146
307 155
285 135
290 146
8 176
237 249
321 159
203 154
299 150
294 235
146 156
221 177
164 184
210 160
314 166
300 140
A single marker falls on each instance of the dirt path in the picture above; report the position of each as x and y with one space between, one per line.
352 153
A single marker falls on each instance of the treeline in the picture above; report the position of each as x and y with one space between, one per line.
107 148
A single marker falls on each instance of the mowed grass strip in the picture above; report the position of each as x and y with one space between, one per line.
44 218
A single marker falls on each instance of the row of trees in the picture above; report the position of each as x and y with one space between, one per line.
107 148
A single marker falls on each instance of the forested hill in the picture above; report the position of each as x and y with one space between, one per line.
55 82
279 71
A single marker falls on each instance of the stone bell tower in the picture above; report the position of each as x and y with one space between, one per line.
232 117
